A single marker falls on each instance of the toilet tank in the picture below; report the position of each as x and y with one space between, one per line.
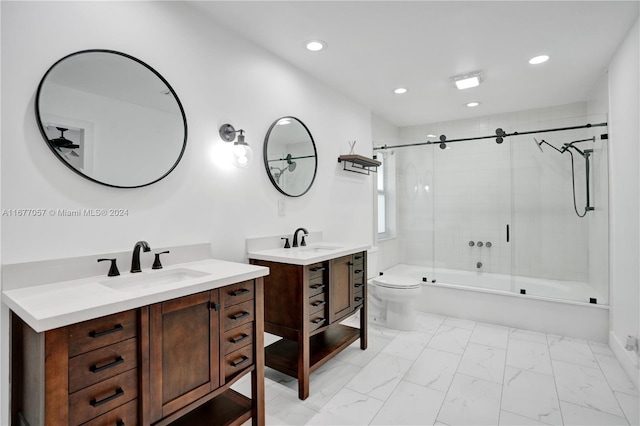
372 262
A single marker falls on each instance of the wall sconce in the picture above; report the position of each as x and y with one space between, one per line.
242 153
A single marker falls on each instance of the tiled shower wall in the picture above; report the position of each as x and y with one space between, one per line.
472 190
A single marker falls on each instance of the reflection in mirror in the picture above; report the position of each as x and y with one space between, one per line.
290 156
111 118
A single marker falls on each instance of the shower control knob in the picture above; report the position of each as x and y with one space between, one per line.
488 244
471 244
479 244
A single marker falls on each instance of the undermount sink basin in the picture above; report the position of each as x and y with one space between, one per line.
150 279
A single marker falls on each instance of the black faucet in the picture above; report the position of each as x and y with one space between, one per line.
295 237
135 260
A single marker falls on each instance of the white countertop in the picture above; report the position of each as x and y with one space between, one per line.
49 306
313 253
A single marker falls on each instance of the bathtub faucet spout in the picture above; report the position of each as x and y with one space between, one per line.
479 265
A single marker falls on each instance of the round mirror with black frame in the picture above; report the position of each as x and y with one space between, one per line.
290 156
111 118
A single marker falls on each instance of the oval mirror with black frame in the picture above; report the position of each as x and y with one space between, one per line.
111 118
290 156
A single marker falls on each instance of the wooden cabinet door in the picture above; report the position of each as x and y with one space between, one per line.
341 288
184 351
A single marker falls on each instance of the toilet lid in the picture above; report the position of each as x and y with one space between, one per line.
390 281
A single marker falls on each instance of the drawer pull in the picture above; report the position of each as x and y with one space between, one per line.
96 369
95 334
240 338
317 286
318 303
242 361
118 394
317 268
357 257
358 285
358 271
318 321
358 299
239 292
240 315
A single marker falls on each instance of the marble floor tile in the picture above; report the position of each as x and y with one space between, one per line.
356 356
410 404
490 335
327 381
511 419
571 350
532 395
428 323
483 362
582 416
347 407
408 345
529 355
600 348
460 323
532 336
287 410
380 377
585 386
471 401
450 339
630 406
434 369
615 374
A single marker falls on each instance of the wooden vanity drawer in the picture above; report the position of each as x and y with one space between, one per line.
317 320
316 270
100 364
316 286
100 332
97 399
237 315
317 303
237 361
125 415
236 293
238 337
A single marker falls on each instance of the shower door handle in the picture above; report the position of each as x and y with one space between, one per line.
507 232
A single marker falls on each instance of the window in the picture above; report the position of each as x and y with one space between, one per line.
386 206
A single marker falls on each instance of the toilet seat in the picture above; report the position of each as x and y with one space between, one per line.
396 282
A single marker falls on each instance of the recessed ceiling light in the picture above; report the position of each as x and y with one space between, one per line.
467 80
400 91
473 104
538 59
315 45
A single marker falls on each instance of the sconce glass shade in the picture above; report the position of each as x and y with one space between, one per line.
242 153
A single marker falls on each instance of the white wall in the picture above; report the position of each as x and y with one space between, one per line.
219 78
624 100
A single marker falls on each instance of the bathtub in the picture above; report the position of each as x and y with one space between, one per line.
554 307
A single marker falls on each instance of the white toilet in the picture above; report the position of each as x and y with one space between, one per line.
391 297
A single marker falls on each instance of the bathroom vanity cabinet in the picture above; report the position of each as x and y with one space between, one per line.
304 304
171 362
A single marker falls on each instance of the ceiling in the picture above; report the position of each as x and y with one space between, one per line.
377 46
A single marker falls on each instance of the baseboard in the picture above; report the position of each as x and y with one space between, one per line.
628 359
